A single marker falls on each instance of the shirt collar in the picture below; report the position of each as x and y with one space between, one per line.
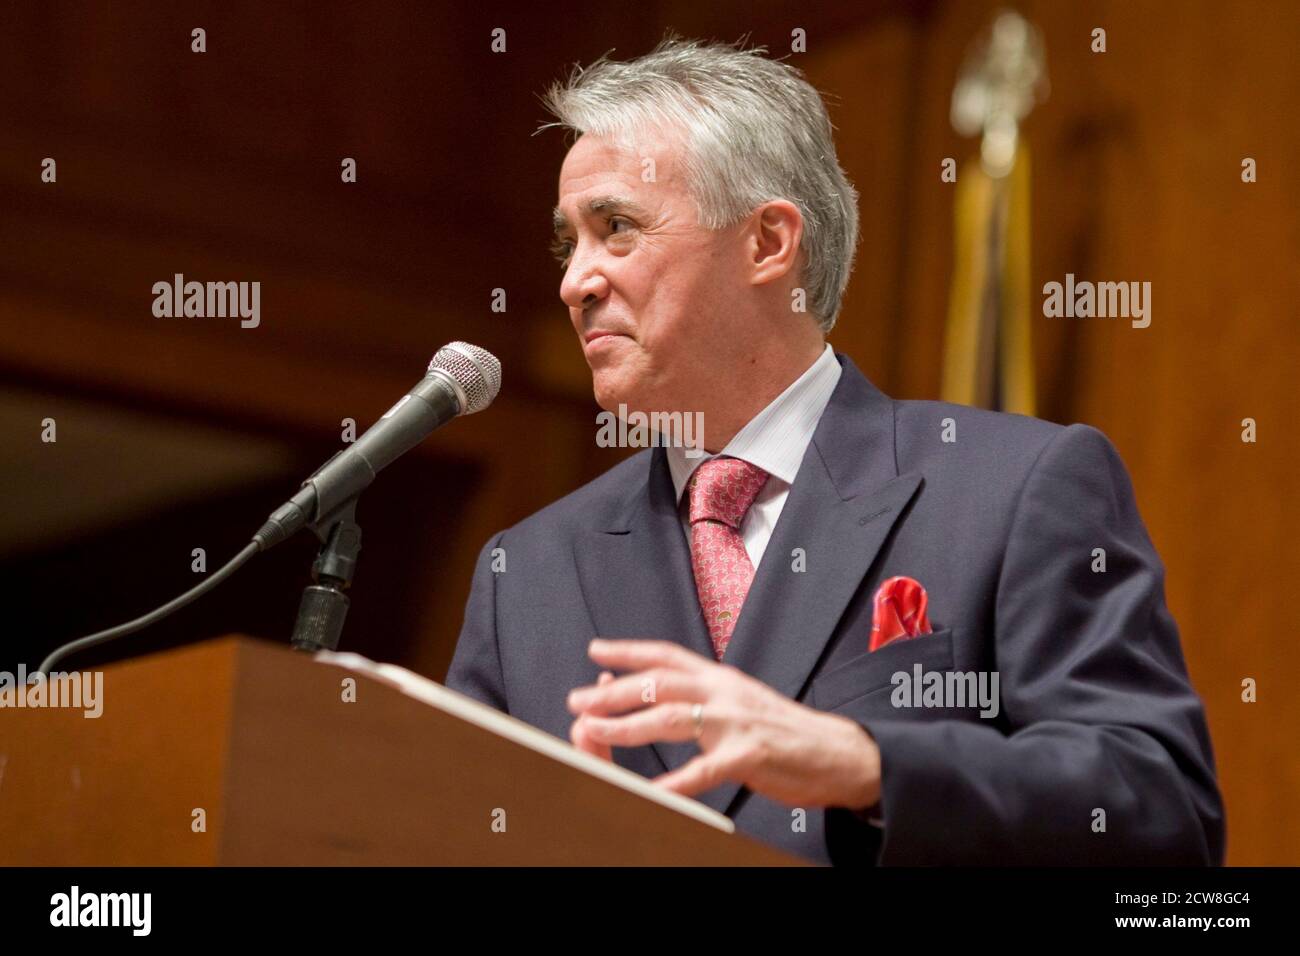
776 438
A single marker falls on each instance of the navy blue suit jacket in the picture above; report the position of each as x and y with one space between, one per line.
999 526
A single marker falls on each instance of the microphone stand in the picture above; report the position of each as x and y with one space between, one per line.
324 605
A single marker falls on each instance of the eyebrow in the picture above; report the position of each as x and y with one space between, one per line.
597 206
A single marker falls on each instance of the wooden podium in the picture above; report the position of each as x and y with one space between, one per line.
286 771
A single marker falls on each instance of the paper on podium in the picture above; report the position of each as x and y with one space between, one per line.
481 715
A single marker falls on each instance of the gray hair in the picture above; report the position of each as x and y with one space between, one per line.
755 130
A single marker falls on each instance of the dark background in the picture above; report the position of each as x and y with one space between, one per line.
182 433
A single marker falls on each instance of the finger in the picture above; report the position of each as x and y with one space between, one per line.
636 691
639 655
702 773
663 722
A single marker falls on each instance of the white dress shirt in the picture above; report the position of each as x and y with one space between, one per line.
775 440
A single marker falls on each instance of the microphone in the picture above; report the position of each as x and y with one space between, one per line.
462 379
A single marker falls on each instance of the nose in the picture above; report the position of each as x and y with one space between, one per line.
583 285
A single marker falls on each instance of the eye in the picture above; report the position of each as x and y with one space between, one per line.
562 249
619 221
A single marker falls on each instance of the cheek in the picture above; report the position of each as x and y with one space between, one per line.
678 297
641 283
682 304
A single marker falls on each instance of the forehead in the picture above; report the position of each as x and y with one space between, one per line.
646 170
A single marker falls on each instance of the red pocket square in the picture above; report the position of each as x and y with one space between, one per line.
898 611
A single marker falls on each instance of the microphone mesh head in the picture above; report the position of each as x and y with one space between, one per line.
476 371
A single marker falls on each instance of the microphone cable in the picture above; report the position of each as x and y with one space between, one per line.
130 627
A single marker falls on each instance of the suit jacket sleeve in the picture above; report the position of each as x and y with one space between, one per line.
476 665
1099 713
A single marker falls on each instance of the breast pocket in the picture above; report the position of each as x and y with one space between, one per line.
872 672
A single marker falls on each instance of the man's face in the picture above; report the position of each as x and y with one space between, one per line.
653 295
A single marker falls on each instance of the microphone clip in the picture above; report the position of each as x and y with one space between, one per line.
324 606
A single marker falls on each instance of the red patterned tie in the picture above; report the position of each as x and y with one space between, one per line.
721 491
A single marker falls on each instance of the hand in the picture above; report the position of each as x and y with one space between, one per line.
752 734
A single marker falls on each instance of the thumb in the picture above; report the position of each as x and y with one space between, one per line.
584 742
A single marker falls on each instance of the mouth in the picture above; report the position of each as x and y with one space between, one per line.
595 334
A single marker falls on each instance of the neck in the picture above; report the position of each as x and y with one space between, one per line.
752 384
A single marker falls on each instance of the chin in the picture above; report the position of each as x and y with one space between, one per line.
608 398
611 389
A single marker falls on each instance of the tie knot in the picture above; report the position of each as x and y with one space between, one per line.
722 489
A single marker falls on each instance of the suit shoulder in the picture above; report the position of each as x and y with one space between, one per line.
986 445
985 449
928 427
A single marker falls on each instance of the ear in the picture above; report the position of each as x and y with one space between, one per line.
775 234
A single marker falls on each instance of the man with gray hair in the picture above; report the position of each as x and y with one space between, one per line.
707 234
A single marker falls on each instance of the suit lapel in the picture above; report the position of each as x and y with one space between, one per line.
637 580
841 508
843 504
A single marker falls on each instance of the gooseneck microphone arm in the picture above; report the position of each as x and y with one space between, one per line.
462 379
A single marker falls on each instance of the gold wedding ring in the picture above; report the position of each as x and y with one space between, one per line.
697 715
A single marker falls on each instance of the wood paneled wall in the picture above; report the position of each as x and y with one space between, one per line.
1137 162
225 165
